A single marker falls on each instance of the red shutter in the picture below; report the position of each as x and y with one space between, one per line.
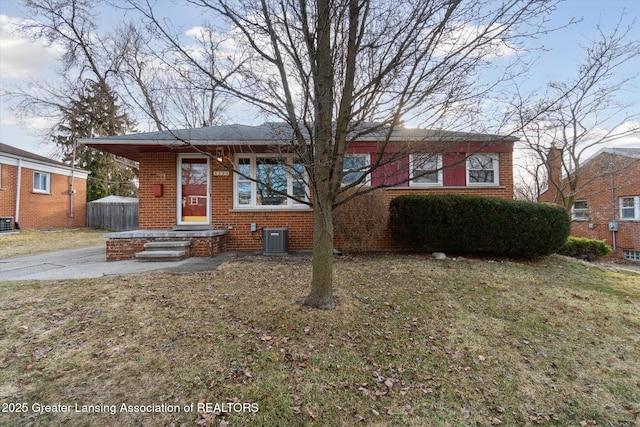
454 173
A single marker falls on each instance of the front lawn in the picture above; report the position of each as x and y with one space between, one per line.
29 242
412 341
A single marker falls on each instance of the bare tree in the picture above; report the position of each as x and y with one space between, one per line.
139 74
577 116
87 62
73 25
122 62
200 100
84 104
166 89
529 178
336 71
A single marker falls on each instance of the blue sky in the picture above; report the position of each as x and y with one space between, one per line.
20 58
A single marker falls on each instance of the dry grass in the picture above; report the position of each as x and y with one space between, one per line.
412 342
29 242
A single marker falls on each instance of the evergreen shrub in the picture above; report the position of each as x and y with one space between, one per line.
463 224
583 248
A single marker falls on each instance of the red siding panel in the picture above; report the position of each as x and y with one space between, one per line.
454 172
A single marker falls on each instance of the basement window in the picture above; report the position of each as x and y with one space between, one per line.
632 255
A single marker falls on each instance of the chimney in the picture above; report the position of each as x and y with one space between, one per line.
554 174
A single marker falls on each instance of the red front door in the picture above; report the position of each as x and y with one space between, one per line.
193 203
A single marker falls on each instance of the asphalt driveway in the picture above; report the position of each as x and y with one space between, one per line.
91 262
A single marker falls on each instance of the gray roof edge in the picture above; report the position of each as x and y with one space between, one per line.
270 133
631 152
622 151
18 153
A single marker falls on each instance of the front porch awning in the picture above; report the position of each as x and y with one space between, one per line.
205 139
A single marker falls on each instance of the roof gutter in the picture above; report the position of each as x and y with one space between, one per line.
175 144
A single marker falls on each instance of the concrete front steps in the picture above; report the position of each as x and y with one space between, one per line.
164 251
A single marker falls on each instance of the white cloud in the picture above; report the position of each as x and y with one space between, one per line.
8 120
40 123
626 135
206 37
23 58
488 42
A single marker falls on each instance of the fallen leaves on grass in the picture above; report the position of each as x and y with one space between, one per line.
411 342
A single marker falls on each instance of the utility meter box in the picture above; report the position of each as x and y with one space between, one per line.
275 241
613 226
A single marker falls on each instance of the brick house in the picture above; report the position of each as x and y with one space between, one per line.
186 195
607 204
37 192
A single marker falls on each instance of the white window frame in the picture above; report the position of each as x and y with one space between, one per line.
495 163
416 160
37 179
632 255
364 169
636 208
252 176
580 214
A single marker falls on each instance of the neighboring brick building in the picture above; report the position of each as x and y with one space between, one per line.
182 189
36 192
607 203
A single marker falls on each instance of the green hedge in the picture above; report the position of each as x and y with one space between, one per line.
586 249
469 224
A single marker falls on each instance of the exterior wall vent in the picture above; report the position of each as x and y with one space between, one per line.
275 241
6 224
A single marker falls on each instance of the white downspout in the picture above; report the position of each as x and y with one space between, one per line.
613 207
71 192
71 189
16 217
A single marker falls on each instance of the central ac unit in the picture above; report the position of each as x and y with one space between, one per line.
275 241
6 224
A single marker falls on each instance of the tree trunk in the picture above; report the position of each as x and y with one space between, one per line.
324 181
321 295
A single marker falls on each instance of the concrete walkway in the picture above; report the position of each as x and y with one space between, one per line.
631 267
91 262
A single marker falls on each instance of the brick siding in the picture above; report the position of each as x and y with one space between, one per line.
126 248
159 212
596 188
38 210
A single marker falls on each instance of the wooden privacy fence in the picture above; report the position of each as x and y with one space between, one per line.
112 216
